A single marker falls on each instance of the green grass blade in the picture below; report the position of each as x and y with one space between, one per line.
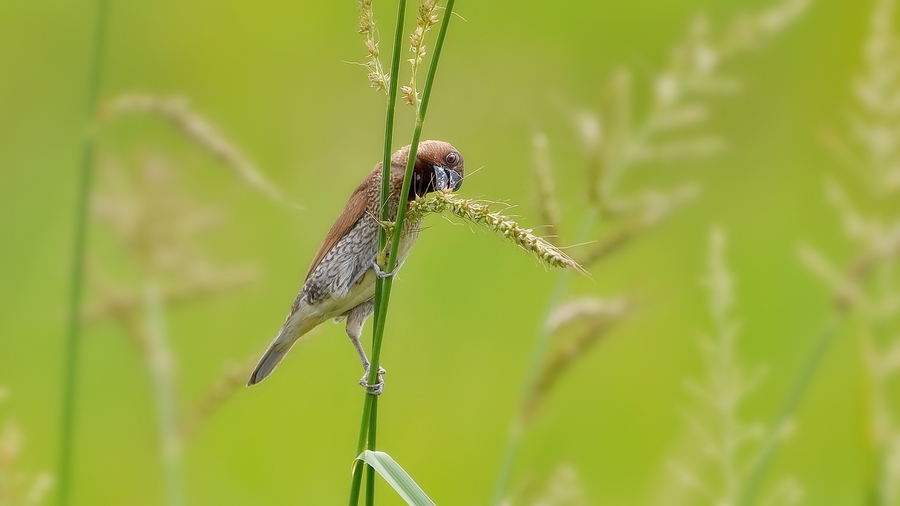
401 482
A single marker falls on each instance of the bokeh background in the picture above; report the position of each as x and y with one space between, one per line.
274 79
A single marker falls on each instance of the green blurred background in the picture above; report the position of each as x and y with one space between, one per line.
273 77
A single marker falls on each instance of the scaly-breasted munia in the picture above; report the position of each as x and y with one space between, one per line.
341 280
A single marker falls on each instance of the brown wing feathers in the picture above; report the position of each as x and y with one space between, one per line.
355 208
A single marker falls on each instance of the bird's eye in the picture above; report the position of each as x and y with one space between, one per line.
452 158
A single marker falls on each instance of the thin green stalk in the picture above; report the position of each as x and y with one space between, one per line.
381 314
614 172
369 405
370 474
383 289
517 428
799 388
79 243
880 440
389 132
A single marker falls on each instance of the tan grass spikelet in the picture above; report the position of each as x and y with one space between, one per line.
867 285
426 17
723 444
378 78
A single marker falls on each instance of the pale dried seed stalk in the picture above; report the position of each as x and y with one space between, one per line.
178 112
644 213
157 228
846 290
18 487
873 124
695 71
10 444
753 30
117 301
868 287
378 78
719 472
480 213
564 488
567 356
585 309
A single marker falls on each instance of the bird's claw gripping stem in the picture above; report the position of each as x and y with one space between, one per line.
373 389
380 273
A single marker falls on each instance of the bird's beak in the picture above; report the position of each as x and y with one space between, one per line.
455 179
446 179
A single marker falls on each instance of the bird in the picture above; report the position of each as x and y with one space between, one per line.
340 282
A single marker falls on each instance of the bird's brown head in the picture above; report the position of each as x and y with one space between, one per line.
439 167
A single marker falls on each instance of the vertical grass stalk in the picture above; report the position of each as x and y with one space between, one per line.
383 288
760 464
370 474
381 306
369 405
598 198
517 427
79 242
161 374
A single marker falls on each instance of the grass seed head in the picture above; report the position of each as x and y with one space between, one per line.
426 17
479 213
378 78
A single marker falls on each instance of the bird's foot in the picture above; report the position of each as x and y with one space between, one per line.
380 273
373 389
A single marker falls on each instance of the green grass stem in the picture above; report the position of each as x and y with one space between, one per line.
79 244
383 287
381 311
370 403
370 475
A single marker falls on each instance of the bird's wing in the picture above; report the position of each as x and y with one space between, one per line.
354 209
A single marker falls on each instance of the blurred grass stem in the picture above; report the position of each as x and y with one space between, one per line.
161 365
761 463
600 193
517 427
70 366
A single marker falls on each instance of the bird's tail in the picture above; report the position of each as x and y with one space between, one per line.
294 328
